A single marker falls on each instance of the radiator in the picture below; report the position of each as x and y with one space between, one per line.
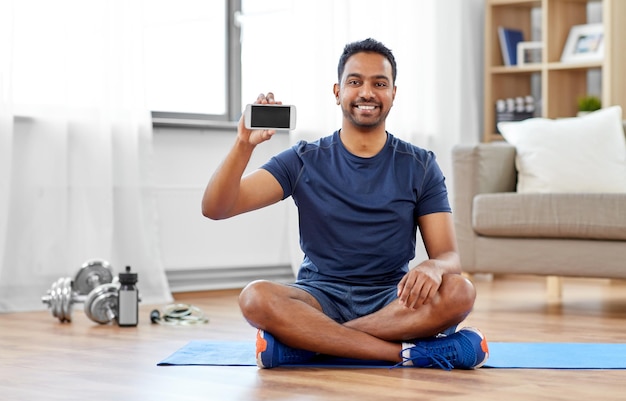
202 279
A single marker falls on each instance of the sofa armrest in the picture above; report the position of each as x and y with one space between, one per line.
476 169
492 166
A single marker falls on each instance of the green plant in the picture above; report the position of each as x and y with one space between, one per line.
589 103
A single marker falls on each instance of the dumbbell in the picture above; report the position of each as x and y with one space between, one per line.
65 292
105 304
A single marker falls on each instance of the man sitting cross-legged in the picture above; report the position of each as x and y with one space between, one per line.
361 195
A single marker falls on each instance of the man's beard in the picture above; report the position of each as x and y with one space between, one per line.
367 123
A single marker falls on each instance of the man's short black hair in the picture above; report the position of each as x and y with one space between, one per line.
368 46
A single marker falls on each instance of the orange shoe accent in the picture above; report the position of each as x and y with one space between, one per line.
261 344
484 346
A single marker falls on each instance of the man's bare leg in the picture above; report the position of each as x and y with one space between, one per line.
395 322
295 318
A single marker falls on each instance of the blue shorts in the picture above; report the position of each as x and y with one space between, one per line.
344 302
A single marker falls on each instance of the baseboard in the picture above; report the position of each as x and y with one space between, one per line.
202 279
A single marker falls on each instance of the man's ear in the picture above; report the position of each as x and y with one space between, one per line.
336 92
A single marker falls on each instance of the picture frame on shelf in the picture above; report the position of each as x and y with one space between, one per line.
584 43
529 53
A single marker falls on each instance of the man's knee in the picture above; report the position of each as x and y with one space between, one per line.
460 292
255 297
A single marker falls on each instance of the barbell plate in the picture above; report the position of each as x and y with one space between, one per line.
92 273
101 303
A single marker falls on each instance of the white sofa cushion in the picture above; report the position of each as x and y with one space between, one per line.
575 155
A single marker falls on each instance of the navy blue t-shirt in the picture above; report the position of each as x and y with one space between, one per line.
358 216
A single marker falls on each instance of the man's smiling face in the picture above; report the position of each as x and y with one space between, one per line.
366 90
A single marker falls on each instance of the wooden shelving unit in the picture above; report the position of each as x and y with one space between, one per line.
561 83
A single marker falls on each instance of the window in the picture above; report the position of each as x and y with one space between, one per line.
192 59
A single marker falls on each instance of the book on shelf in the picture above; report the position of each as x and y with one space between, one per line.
509 38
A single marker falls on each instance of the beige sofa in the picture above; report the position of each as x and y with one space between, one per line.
503 232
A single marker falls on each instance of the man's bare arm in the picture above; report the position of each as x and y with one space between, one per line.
422 282
228 193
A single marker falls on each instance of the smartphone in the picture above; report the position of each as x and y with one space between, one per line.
270 116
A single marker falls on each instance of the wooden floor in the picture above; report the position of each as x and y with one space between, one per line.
42 359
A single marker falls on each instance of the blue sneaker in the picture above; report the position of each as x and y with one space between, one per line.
465 349
450 330
271 352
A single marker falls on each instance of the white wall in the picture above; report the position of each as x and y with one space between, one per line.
184 160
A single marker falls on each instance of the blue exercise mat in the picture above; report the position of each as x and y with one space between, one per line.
228 353
501 355
557 355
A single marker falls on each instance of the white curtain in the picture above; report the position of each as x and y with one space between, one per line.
292 48
75 147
